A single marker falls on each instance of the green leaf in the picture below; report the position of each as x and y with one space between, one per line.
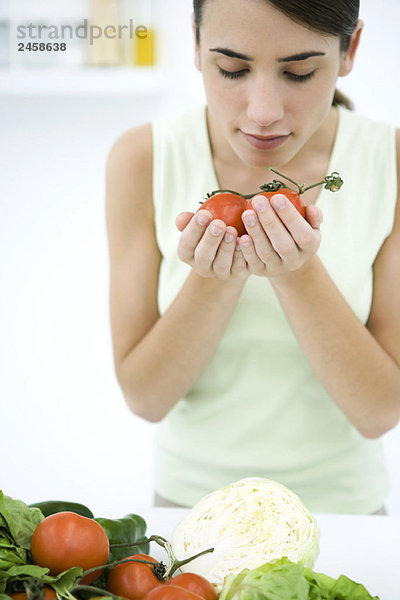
20 520
11 557
25 571
346 589
320 585
63 582
19 573
281 579
278 579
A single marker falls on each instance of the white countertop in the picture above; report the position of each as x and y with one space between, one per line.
364 548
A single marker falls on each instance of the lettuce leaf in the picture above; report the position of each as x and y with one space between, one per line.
282 579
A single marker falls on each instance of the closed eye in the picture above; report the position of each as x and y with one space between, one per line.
232 74
295 77
289 75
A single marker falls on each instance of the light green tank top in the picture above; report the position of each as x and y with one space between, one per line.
258 409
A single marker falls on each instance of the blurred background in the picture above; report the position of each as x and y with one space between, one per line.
65 431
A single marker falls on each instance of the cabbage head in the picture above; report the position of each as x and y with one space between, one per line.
248 523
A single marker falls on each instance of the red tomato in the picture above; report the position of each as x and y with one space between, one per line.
49 594
228 207
133 580
294 198
66 539
195 583
171 592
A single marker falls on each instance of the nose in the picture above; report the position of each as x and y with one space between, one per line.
265 103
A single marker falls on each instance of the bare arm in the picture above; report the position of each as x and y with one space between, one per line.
360 370
158 358
358 366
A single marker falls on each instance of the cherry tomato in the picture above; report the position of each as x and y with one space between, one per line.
228 207
49 594
133 580
171 592
66 539
294 198
195 583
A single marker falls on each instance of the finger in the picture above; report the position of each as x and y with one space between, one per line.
183 219
206 250
222 263
192 234
302 235
262 244
239 265
314 216
251 257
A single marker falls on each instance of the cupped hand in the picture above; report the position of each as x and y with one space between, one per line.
279 239
209 246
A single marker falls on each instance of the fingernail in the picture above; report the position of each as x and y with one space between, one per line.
250 219
259 203
215 230
228 237
278 201
202 219
246 242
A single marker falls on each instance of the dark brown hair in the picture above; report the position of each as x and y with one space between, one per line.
332 17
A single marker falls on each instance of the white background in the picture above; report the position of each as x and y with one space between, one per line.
65 431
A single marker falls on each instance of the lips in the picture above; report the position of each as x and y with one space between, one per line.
265 142
266 137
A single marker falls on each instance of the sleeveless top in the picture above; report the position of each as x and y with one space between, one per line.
258 409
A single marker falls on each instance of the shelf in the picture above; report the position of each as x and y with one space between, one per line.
84 81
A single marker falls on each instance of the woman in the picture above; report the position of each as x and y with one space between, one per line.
274 354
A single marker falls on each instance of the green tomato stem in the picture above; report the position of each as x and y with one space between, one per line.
176 564
299 187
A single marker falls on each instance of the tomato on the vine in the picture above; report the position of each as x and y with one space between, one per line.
133 580
195 583
66 539
229 205
171 592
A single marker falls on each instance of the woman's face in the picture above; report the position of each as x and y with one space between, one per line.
281 87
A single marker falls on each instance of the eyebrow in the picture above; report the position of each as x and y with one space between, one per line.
292 58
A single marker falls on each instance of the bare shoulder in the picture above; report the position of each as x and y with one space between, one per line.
129 188
129 166
384 319
135 143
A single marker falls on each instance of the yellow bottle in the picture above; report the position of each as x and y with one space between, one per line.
144 48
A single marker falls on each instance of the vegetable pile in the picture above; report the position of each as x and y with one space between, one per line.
70 555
